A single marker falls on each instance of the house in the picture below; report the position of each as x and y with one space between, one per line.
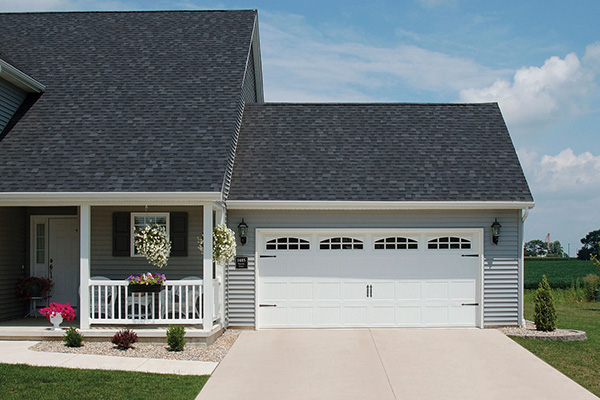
357 214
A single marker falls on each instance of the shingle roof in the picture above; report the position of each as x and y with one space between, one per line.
134 101
376 152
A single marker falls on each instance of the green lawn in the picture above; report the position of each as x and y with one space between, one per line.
560 272
49 383
578 360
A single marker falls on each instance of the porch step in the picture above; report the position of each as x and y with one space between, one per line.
156 334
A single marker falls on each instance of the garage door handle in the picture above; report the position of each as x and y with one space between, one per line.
470 255
268 305
264 256
470 304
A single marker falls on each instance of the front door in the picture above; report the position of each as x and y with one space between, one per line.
63 259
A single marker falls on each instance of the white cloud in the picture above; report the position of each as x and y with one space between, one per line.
301 62
537 96
565 172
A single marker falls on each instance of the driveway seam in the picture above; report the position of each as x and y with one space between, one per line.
382 365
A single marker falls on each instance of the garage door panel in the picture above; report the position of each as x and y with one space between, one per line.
300 316
382 316
301 291
329 316
463 290
354 291
435 315
354 316
408 290
435 290
274 291
328 291
409 316
462 315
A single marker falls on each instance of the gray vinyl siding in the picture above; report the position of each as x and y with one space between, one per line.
104 264
12 260
11 98
501 262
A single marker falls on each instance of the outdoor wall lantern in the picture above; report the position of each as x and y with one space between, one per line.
496 231
243 231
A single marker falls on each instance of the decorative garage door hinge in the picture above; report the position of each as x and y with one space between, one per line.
267 256
267 305
470 304
470 255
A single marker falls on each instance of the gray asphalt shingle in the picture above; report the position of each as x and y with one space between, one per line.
134 101
376 152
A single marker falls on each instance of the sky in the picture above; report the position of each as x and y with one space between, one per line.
540 60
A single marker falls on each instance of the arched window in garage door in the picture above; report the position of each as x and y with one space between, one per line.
341 243
449 242
395 243
288 243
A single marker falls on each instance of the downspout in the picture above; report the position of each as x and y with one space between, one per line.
521 317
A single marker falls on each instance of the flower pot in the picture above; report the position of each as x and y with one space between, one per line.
56 320
145 288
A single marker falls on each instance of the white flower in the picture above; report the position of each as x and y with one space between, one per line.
223 244
153 242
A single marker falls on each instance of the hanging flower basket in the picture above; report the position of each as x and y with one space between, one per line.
223 244
153 243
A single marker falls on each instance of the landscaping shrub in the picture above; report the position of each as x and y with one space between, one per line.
176 337
124 339
544 311
591 282
72 337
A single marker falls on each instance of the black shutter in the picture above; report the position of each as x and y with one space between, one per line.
178 234
121 237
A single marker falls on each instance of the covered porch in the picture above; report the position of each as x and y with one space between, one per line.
87 251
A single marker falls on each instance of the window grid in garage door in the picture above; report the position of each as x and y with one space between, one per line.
448 242
395 243
288 243
341 243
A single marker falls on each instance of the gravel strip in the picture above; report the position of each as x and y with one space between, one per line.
192 352
529 331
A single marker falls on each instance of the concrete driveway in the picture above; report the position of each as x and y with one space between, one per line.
385 364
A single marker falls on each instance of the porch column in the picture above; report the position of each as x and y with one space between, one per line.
207 275
85 229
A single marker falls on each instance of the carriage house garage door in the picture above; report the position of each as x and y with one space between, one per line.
369 278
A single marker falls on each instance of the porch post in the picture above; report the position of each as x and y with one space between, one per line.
207 275
84 265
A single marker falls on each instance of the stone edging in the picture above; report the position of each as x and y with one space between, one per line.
529 331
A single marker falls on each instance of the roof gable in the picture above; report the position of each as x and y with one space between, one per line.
376 152
134 101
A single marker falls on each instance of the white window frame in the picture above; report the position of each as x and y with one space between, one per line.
166 215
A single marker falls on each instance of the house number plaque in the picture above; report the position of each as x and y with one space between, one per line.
241 262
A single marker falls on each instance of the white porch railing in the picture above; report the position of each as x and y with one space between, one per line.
180 302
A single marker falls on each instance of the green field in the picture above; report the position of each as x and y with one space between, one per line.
560 272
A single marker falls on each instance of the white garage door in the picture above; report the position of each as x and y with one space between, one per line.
365 278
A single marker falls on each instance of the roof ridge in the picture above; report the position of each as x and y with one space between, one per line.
124 11
378 104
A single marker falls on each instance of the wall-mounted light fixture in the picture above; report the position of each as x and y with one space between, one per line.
243 232
496 231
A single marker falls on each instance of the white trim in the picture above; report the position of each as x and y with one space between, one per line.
85 256
376 205
207 266
132 216
19 78
260 232
106 198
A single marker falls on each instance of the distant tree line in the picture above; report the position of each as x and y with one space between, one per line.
539 248
590 245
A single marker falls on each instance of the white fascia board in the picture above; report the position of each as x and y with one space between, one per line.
377 205
19 78
107 198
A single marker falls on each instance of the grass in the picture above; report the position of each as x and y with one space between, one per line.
49 383
560 272
578 360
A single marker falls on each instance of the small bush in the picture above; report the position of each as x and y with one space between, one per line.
544 311
176 337
591 282
124 339
72 337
